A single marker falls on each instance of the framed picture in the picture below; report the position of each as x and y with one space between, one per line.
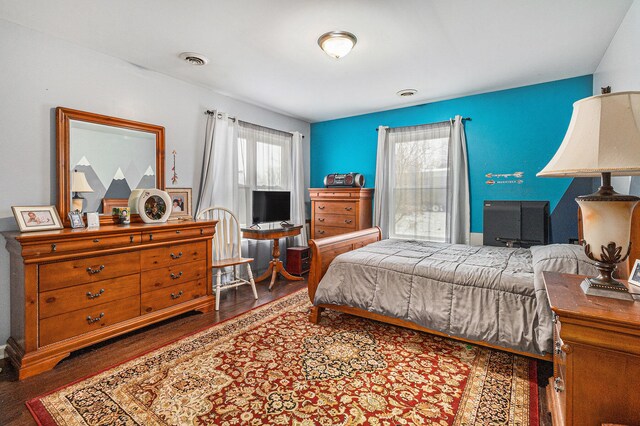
93 220
75 218
180 203
36 218
634 276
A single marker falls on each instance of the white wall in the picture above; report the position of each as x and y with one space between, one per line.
620 65
39 73
620 69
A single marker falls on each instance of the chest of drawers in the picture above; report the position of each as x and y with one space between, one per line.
336 211
596 360
75 287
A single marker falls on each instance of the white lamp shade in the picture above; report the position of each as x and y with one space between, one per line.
603 136
79 183
337 44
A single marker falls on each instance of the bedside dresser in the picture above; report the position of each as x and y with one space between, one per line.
336 211
72 288
596 361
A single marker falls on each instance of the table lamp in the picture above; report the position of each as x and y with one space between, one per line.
603 139
79 184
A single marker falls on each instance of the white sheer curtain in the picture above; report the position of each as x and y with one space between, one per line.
298 188
219 165
459 220
383 169
264 163
422 182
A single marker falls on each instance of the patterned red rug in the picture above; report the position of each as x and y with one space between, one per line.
271 366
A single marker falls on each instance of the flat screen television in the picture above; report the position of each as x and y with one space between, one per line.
271 206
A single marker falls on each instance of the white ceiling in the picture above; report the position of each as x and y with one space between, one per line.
265 51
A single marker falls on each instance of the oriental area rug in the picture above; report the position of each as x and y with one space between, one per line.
271 366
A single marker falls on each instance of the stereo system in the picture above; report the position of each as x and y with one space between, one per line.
347 180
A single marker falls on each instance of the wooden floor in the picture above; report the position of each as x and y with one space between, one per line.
14 393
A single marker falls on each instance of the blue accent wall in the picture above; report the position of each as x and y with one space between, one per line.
511 130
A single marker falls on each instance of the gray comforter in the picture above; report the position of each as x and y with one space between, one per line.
491 294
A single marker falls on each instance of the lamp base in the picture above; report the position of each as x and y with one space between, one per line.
612 289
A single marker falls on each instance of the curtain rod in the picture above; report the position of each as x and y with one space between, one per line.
427 124
211 112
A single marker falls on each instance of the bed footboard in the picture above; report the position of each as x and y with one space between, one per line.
324 250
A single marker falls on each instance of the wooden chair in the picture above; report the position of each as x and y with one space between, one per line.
226 250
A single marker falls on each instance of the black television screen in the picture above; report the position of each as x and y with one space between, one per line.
271 206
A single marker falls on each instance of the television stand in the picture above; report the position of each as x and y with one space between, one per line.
275 265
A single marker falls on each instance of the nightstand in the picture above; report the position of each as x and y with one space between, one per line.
596 360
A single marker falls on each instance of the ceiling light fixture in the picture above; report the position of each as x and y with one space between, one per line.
194 58
406 92
337 44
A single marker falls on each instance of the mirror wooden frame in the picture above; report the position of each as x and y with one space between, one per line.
63 118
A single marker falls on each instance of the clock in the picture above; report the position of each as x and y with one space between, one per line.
153 205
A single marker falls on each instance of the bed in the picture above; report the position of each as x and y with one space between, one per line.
491 296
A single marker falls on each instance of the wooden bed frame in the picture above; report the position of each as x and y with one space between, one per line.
324 250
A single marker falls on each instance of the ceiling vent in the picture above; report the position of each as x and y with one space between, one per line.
194 58
406 92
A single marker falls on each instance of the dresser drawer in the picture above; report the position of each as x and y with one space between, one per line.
341 221
173 254
176 234
169 276
82 296
82 244
328 231
173 295
335 207
87 270
60 327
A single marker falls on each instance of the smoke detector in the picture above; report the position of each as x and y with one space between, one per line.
194 58
406 92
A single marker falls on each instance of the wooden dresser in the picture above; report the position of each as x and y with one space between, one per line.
337 211
74 287
596 361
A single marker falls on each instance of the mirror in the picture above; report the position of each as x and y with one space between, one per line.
101 159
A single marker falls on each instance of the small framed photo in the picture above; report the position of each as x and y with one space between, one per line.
36 218
634 276
180 203
75 218
93 220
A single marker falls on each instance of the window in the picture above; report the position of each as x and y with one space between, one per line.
418 182
263 164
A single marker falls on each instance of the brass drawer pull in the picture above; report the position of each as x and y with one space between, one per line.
321 219
176 256
176 296
150 237
54 247
96 319
131 238
175 277
558 386
348 221
94 295
321 207
177 232
97 240
95 271
348 208
320 231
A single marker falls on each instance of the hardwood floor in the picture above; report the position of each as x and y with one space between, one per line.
14 393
